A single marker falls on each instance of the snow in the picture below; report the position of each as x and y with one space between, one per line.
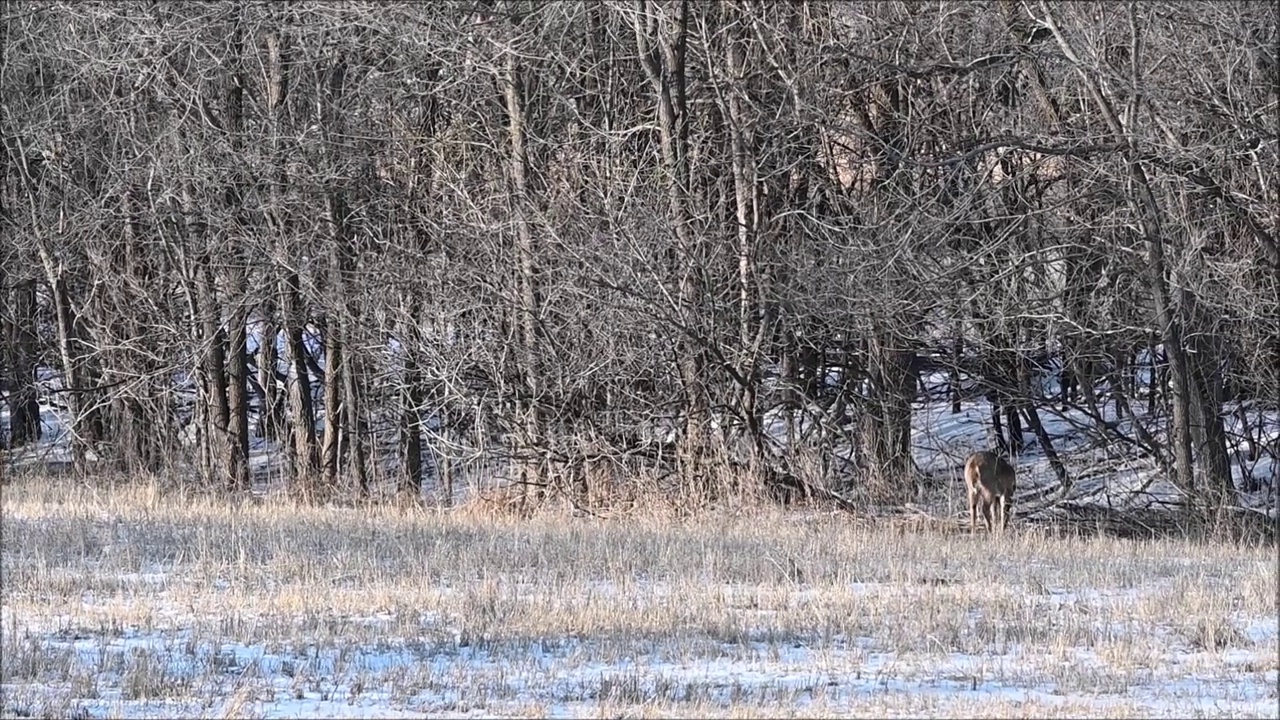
568 677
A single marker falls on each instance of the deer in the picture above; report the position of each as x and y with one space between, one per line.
991 483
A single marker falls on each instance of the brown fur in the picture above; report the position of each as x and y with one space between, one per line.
991 484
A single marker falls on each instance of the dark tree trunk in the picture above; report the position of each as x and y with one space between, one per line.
1207 430
953 377
887 420
236 284
24 405
270 412
301 410
411 402
997 424
213 377
237 369
355 429
1014 427
1116 380
662 51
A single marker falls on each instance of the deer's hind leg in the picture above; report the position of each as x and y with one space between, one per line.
1006 505
973 511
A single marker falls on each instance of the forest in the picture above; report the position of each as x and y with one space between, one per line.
365 250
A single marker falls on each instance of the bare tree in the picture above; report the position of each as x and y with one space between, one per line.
590 245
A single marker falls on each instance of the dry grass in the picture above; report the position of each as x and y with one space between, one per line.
131 600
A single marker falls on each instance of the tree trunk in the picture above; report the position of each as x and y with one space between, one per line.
662 51
411 401
1156 377
24 405
270 417
411 430
138 423
997 424
1207 431
213 375
236 287
748 210
1116 380
354 426
237 370
342 376
953 374
79 405
301 412
1016 369
531 471
1014 428
333 371
1167 317
1029 403
887 420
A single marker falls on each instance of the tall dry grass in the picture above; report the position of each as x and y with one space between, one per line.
129 594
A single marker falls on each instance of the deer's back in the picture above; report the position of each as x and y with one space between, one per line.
989 472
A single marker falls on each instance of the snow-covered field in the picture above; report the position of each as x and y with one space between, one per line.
133 602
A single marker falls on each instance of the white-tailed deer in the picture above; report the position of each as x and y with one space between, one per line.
991 483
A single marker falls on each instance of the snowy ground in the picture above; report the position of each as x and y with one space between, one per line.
121 677
129 602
